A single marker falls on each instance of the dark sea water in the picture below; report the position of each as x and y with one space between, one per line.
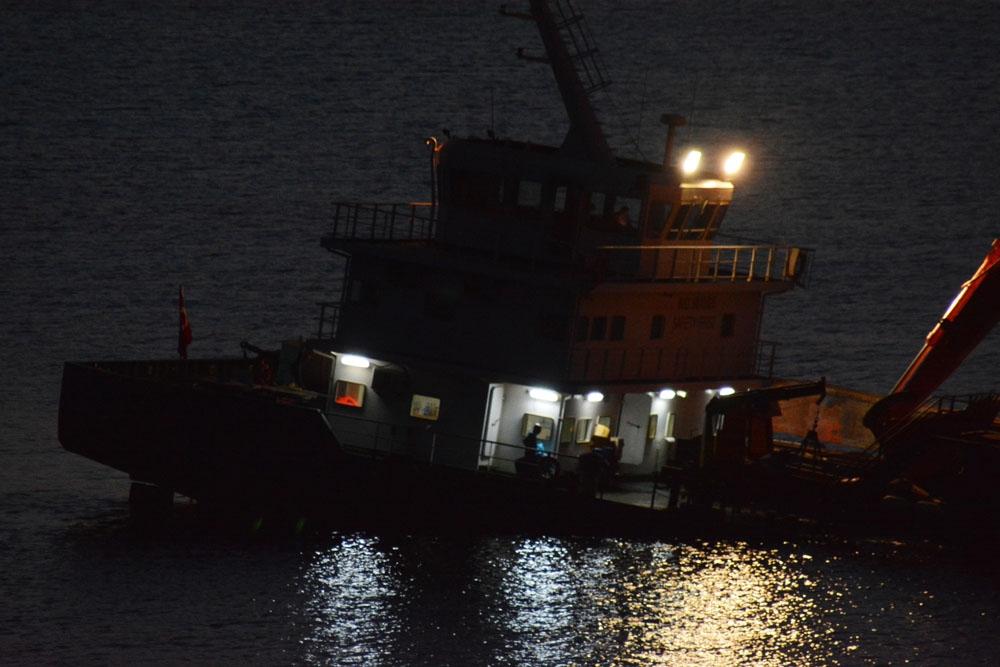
145 145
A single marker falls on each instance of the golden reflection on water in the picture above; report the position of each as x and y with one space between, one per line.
655 604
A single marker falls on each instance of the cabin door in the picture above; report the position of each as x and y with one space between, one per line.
491 425
633 425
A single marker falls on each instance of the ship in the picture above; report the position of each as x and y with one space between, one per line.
557 339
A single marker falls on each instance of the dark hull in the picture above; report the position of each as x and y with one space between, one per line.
249 451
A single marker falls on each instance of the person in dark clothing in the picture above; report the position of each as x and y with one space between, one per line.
530 442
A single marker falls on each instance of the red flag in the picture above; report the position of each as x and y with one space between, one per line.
184 328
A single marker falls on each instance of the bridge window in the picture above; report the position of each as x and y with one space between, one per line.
677 223
582 328
659 211
627 212
700 221
657 327
617 327
598 328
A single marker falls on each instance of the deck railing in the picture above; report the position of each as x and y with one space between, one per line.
705 263
383 222
378 439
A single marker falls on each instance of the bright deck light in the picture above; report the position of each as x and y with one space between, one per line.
354 360
734 163
691 162
681 393
543 394
595 397
668 394
726 391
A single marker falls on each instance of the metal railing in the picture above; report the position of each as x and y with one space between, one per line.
383 222
377 439
705 263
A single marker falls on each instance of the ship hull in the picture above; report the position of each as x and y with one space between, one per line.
249 453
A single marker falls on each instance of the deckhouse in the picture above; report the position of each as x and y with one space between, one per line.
554 285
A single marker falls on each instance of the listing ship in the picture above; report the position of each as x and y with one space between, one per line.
557 340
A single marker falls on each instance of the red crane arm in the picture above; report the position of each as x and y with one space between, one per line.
974 311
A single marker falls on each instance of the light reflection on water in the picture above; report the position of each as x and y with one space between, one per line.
540 601
352 592
552 601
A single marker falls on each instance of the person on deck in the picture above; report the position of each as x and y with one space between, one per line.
530 442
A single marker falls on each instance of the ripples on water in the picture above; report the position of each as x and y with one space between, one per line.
554 601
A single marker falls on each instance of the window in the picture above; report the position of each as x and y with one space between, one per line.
627 212
582 430
598 328
528 422
567 431
677 224
658 213
617 327
425 407
651 427
597 204
351 394
656 327
668 429
728 325
559 204
529 193
582 325
700 223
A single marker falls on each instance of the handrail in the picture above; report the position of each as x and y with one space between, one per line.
704 262
408 221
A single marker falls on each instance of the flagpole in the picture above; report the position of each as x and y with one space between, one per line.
183 325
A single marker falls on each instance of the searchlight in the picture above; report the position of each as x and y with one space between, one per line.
691 162
733 163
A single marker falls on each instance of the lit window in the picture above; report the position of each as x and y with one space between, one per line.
351 394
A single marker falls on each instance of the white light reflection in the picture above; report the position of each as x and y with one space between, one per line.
352 593
540 590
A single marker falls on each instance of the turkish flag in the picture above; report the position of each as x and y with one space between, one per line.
184 328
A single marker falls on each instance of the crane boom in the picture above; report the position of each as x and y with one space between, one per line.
973 313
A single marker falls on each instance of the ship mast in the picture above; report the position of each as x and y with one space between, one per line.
570 52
